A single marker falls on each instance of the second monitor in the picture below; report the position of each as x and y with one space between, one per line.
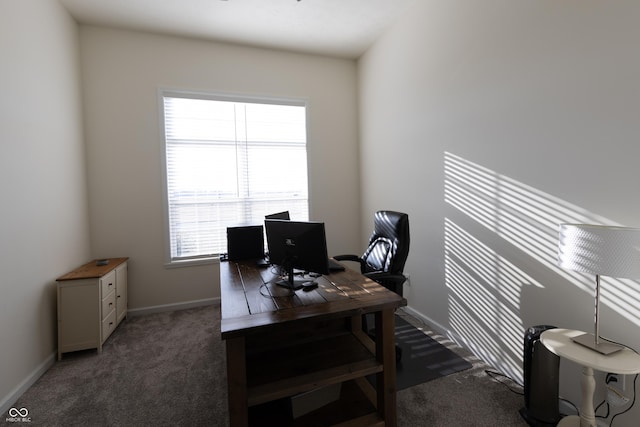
297 245
279 215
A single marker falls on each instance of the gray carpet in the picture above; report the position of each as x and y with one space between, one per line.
155 370
169 369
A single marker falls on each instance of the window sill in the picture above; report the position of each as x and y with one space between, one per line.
192 262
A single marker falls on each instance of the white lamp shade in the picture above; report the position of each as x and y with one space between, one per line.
600 249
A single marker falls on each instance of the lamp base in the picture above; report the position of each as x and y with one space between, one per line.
589 340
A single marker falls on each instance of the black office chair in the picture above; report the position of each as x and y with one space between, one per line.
386 254
383 260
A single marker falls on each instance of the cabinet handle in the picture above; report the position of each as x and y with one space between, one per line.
110 304
110 284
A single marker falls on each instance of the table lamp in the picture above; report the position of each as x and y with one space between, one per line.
604 251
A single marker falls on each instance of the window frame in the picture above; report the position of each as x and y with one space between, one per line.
215 96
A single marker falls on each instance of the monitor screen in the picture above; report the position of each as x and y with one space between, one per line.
297 245
246 242
278 215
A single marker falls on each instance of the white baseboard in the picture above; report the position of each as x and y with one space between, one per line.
7 401
438 328
172 307
426 319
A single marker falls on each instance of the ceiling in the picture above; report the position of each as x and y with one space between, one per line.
343 28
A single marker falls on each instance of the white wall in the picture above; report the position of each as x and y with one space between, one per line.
504 119
122 72
44 229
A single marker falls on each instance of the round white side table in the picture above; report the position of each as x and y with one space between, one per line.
625 362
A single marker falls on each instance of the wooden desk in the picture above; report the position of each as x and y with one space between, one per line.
281 343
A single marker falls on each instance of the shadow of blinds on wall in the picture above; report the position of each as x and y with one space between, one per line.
513 231
229 162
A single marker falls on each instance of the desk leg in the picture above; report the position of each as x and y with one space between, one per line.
386 353
237 382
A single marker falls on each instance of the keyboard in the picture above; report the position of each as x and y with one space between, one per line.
335 265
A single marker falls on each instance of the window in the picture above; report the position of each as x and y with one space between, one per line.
230 162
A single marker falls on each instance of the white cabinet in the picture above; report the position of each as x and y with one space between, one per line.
92 301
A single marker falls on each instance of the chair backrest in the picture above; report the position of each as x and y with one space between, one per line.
389 243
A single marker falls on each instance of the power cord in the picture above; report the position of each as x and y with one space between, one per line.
495 375
277 271
568 402
604 402
635 379
633 401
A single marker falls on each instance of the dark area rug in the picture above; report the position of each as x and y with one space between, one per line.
423 358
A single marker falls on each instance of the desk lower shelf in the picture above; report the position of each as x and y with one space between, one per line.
353 408
282 372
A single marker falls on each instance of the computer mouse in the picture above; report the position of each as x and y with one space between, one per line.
307 286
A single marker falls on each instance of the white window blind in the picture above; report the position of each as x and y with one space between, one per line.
230 163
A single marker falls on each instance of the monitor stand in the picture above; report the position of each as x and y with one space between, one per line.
297 284
290 282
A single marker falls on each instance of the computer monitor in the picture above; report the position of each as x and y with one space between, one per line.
278 215
297 245
245 242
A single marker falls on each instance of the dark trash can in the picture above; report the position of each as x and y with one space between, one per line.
541 372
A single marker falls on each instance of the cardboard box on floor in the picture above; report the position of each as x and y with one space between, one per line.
304 403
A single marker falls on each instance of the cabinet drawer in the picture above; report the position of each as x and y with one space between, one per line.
108 304
107 283
108 325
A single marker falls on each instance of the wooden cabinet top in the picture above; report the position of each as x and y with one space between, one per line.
91 270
